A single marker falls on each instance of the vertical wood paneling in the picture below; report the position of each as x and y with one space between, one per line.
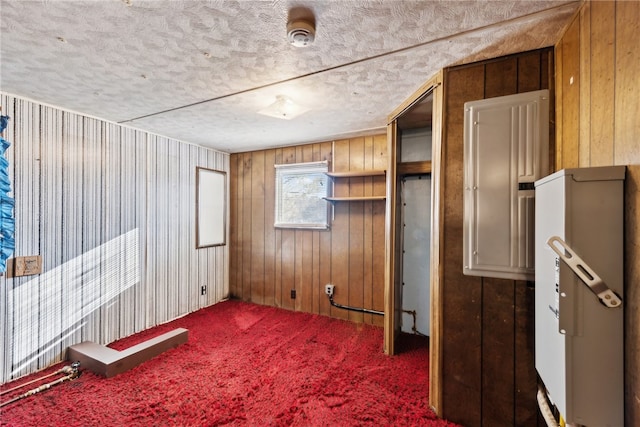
526 408
87 192
378 223
487 356
239 291
609 57
601 81
316 283
350 254
367 228
298 254
288 248
246 226
269 231
234 226
305 255
585 75
233 208
530 71
324 261
356 230
627 99
462 295
547 81
501 77
340 251
571 96
559 52
277 285
257 227
498 370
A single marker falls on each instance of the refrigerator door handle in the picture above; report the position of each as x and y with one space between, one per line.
608 297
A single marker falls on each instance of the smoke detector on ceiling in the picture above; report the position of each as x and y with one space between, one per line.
300 33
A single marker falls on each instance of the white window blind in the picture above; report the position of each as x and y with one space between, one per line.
300 192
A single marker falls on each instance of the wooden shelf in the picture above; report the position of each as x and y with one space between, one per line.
354 199
355 174
414 168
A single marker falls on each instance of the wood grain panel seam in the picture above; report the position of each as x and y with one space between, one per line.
615 72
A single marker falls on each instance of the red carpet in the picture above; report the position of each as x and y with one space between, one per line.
246 364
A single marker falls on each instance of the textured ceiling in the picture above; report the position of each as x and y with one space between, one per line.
199 71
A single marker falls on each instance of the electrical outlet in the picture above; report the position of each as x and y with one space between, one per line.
328 289
203 290
293 294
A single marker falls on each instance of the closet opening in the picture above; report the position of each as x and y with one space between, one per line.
413 225
413 149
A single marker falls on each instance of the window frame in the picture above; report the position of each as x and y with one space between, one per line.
211 207
290 170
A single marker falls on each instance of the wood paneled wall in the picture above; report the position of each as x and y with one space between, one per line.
267 263
111 211
598 93
488 374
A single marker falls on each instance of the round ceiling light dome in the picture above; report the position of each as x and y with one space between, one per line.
300 33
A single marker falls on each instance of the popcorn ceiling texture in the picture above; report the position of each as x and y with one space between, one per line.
123 60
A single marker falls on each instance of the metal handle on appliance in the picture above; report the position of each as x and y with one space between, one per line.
608 297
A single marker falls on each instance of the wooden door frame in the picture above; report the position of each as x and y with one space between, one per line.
435 86
390 242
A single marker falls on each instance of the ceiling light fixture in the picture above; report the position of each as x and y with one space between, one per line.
284 108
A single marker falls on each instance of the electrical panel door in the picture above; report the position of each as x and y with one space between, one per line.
506 148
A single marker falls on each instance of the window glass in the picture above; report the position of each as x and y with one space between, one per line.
300 192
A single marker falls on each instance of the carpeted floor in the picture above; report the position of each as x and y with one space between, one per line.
249 365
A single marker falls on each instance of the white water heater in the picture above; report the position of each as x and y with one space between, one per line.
579 250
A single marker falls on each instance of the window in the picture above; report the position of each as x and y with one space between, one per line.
300 192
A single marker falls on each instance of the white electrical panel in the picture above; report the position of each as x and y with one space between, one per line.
579 293
506 149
